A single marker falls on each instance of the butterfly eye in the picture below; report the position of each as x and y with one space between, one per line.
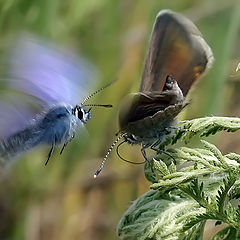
80 114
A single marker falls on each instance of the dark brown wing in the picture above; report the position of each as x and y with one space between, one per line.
140 105
176 49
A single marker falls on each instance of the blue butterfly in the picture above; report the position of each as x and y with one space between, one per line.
45 84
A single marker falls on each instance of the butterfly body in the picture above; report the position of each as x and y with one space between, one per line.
158 121
56 126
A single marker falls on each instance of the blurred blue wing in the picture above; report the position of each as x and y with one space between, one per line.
20 141
48 73
39 76
17 112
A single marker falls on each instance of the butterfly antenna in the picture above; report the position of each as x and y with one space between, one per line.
108 152
125 160
98 105
97 91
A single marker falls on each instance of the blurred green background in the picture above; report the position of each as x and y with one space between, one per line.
62 200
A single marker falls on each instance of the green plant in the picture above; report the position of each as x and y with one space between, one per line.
199 184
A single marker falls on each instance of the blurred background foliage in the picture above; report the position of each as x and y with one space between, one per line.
62 200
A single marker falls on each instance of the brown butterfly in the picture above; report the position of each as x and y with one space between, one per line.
177 57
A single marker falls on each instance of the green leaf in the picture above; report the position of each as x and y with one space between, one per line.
205 127
179 178
234 193
161 215
233 157
227 233
215 152
238 67
197 186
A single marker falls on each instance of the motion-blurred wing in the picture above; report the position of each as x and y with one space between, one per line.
39 75
176 49
17 112
48 73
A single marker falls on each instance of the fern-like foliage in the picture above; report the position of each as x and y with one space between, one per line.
189 186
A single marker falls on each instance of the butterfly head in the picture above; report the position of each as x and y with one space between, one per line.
82 113
132 139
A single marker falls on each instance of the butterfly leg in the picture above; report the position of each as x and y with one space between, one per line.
50 153
159 151
143 150
145 155
63 147
66 143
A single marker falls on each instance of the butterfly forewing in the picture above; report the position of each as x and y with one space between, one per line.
52 74
176 49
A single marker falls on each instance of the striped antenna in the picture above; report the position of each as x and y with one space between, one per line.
108 152
97 91
98 105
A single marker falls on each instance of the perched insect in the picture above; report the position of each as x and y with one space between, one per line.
46 84
177 57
